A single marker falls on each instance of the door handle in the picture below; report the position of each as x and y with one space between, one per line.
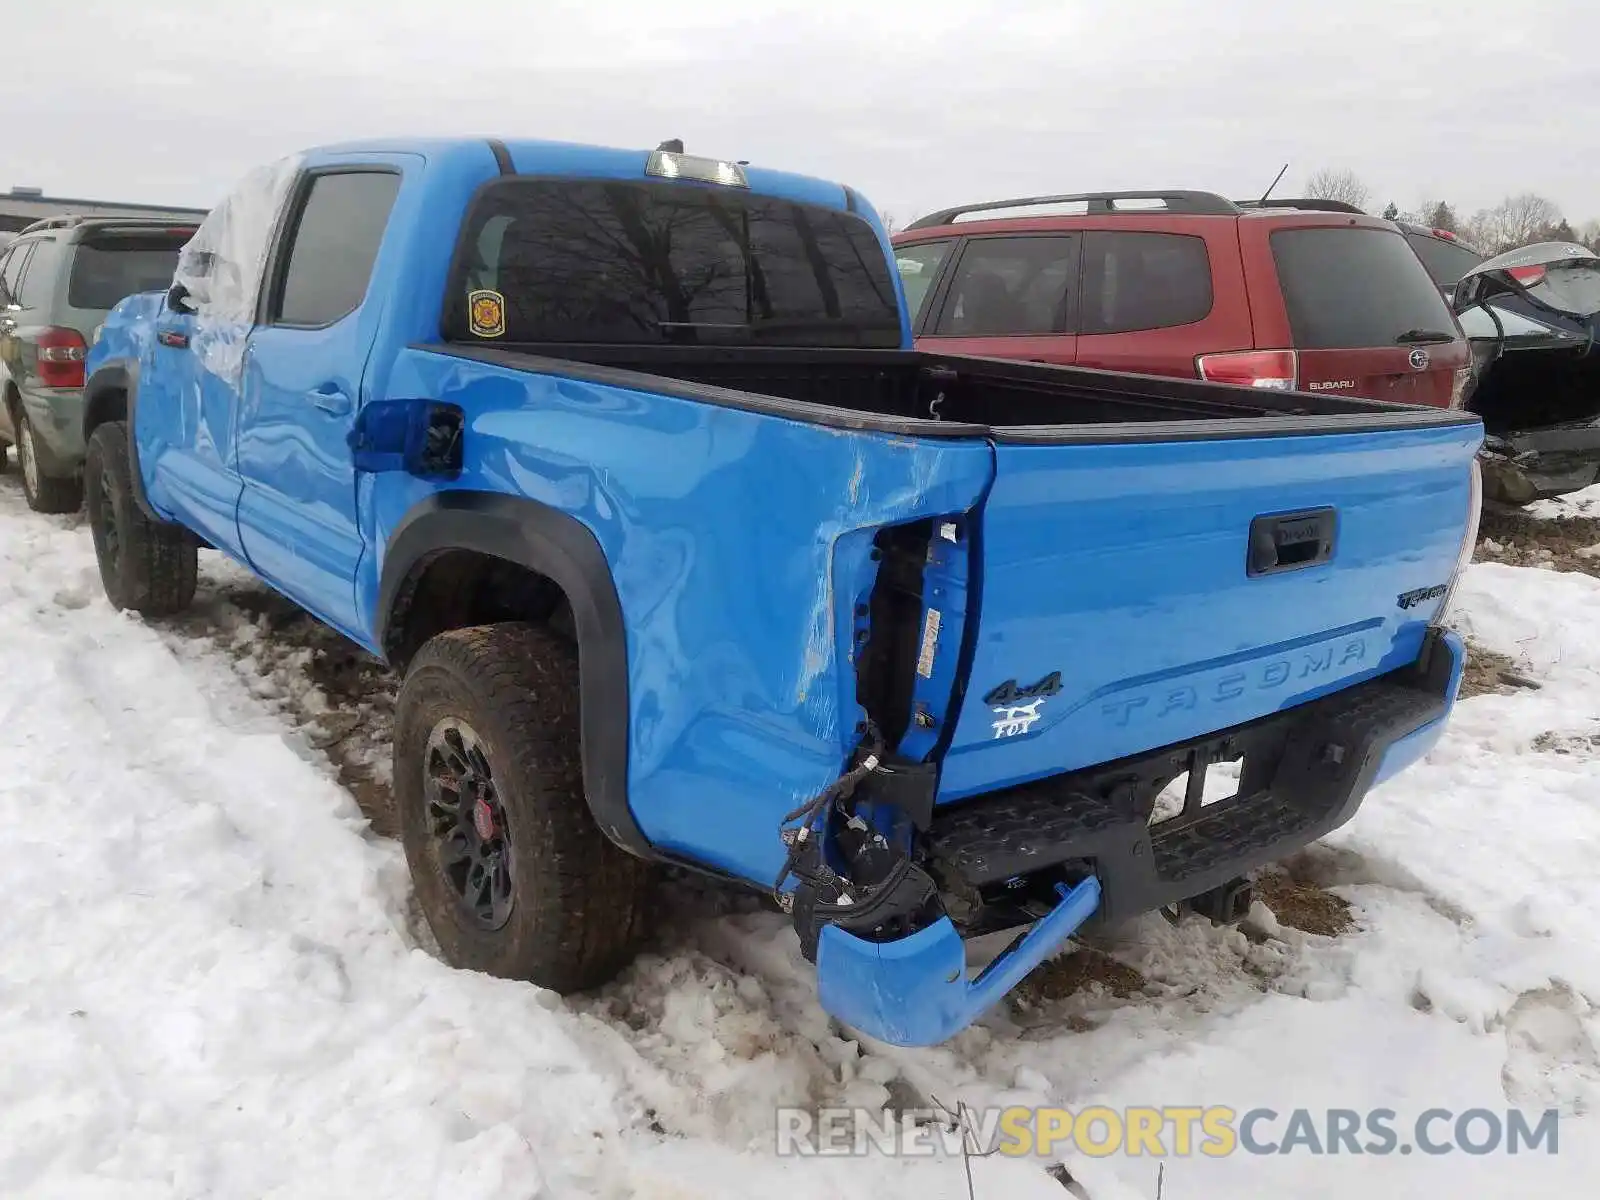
331 398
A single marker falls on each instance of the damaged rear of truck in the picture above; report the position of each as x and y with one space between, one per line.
926 676
627 461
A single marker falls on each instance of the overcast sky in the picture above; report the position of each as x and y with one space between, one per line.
917 105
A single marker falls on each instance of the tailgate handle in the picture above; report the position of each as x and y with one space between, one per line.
1290 541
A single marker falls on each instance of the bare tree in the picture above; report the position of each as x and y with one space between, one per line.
1343 185
1515 221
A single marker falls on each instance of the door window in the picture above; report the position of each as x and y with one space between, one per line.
919 267
336 240
1012 287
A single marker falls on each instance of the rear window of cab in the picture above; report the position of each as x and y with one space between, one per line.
598 261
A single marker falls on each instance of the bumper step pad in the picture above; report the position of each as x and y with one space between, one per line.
1302 773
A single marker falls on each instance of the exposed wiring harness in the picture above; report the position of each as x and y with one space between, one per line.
814 812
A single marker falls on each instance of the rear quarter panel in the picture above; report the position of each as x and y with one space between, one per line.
739 544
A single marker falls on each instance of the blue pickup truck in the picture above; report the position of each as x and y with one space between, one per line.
626 461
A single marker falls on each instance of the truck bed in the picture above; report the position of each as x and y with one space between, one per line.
930 395
1071 568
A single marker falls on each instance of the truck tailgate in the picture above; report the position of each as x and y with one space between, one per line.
1140 594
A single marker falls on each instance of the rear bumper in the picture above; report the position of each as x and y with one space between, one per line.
1538 464
1087 836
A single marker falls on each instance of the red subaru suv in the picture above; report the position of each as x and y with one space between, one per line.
1190 284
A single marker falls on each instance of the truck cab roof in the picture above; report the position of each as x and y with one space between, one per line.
534 156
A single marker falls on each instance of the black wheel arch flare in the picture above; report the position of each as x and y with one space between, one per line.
110 394
564 550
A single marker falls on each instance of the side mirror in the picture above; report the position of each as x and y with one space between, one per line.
178 300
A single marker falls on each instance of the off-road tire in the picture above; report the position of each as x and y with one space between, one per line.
145 565
579 904
44 493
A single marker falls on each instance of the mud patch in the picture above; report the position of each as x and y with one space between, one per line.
1303 905
1519 539
1490 674
1083 969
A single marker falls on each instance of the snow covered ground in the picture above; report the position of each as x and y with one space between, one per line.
212 985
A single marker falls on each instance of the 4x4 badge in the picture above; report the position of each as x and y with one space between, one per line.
1419 360
1009 693
1017 708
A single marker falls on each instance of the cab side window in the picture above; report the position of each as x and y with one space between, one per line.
335 245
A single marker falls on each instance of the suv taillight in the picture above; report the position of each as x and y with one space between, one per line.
61 355
1277 369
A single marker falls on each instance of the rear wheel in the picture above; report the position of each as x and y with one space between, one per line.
45 493
513 874
145 566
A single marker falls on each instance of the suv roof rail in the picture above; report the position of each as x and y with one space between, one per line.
1191 203
64 221
73 220
1310 203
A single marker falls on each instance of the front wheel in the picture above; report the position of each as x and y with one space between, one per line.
145 565
513 874
45 493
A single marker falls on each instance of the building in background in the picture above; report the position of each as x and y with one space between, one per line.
22 206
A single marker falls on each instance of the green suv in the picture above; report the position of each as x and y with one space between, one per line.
58 280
